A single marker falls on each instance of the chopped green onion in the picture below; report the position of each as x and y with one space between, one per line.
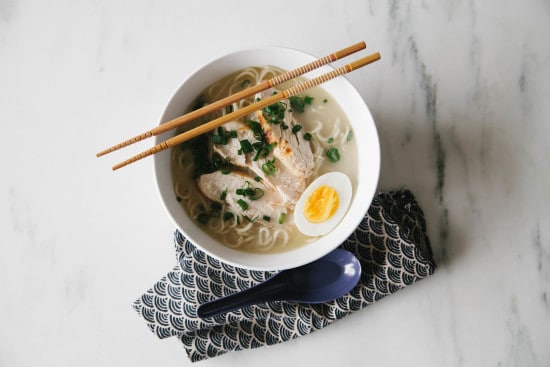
325 100
246 146
223 194
242 204
298 103
202 218
330 140
333 154
282 218
269 168
226 169
350 135
274 113
250 220
227 215
219 139
296 128
258 193
178 198
266 218
307 136
257 178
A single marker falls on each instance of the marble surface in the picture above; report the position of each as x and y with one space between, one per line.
460 99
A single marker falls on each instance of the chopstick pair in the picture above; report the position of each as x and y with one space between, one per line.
178 139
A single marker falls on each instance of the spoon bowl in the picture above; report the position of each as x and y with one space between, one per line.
325 279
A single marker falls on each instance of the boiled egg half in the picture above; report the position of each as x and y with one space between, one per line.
323 204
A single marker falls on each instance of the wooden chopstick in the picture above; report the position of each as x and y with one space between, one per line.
238 96
201 129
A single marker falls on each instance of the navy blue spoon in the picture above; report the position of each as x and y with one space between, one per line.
325 279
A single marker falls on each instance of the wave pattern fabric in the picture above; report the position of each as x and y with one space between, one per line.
391 243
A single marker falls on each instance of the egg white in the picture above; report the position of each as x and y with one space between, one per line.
342 185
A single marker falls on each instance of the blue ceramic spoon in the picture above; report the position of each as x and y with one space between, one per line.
323 280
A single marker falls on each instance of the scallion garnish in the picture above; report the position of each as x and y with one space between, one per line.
223 194
350 135
219 139
333 154
282 218
269 168
298 103
257 178
267 218
242 204
203 218
258 193
296 128
330 140
227 215
246 146
307 136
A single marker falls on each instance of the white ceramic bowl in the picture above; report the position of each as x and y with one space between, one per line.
364 131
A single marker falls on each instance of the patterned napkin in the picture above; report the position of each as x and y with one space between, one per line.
391 244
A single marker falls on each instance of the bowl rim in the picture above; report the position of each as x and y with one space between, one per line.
362 197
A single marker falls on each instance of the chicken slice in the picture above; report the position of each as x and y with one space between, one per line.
291 148
289 186
221 187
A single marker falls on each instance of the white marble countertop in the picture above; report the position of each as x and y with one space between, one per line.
460 99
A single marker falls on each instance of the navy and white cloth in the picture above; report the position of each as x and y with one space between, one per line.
391 243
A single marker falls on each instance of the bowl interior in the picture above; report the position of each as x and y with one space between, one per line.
368 158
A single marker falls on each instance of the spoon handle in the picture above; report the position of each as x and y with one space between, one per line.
263 292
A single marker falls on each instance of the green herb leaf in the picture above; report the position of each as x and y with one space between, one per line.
282 218
298 103
296 128
307 136
275 113
242 204
330 140
219 139
266 218
333 154
246 146
203 218
269 168
258 193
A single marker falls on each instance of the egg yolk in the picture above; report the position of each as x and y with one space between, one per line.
321 204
